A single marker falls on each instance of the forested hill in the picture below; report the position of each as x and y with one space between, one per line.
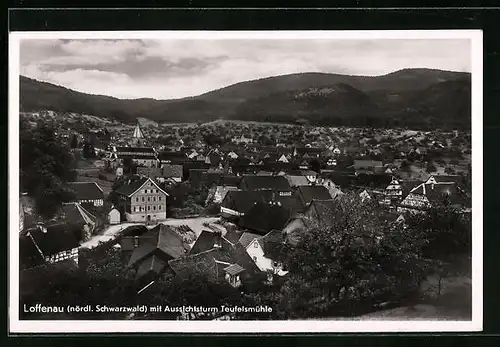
416 98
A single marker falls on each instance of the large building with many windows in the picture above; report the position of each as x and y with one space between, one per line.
142 200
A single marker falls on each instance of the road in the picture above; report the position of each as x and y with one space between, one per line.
113 231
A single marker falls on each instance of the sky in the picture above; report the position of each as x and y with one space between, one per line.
177 68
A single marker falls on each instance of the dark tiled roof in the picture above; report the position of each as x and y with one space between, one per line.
172 170
291 202
58 238
152 172
366 164
445 191
231 180
130 187
161 238
264 217
234 269
323 209
233 236
172 156
242 201
151 264
134 230
86 190
74 213
135 149
205 241
133 185
308 193
29 256
246 238
373 180
447 179
254 182
137 156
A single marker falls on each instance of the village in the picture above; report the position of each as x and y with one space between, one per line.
217 197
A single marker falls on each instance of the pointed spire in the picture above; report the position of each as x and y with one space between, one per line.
138 131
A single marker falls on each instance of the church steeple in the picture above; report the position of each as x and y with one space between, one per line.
138 139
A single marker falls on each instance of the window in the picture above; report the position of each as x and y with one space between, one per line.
145 191
154 198
154 207
157 190
137 199
159 207
254 258
149 199
142 199
256 244
149 208
159 198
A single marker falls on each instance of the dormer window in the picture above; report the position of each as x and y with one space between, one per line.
256 244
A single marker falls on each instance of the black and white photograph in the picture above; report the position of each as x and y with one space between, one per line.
259 181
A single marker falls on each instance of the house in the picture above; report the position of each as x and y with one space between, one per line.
263 217
142 200
364 195
232 155
256 247
49 244
154 250
254 182
224 261
238 202
307 194
283 159
172 157
75 214
220 193
87 193
426 195
145 156
332 188
114 216
393 192
172 171
310 175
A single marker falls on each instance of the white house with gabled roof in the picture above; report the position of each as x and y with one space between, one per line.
143 200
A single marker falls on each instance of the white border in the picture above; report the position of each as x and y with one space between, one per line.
308 326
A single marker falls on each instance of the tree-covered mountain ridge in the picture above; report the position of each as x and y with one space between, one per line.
417 98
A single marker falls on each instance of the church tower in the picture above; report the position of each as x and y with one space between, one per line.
138 139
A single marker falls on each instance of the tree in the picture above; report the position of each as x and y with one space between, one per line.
430 168
356 258
449 171
88 150
74 141
46 166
